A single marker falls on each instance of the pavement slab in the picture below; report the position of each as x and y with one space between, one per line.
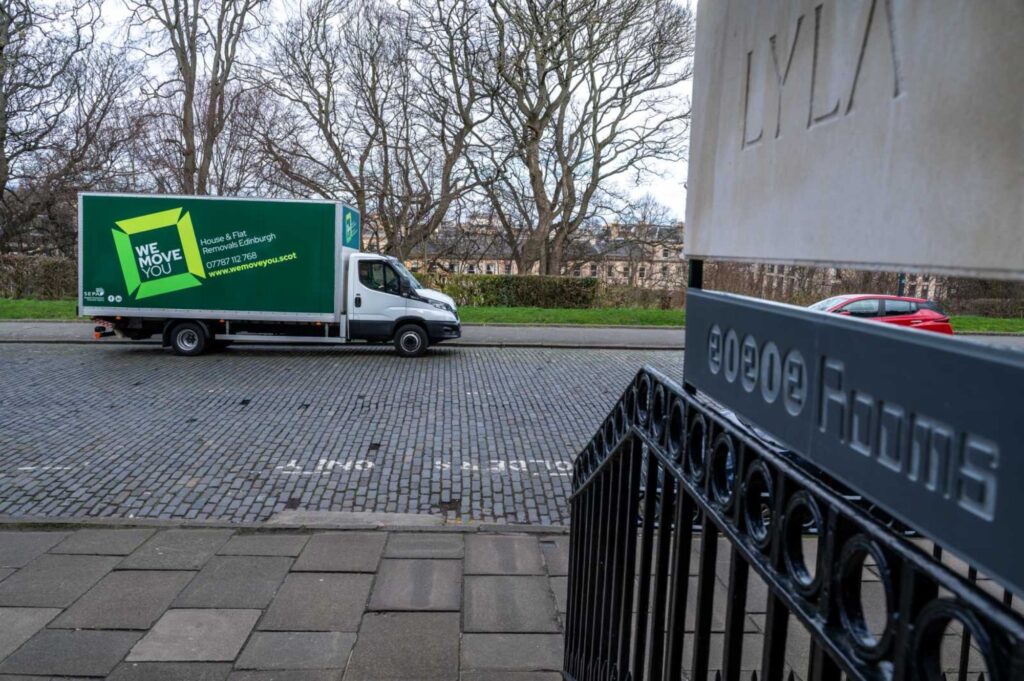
512 652
104 542
54 581
70 653
509 604
18 549
560 587
273 650
235 582
510 676
401 646
176 550
265 545
503 555
424 545
18 625
556 555
342 552
418 585
318 602
171 671
289 675
126 599
196 636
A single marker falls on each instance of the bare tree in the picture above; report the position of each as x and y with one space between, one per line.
588 93
63 119
378 110
199 92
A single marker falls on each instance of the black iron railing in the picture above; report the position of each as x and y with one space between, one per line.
791 574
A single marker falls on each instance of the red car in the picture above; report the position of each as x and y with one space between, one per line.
916 313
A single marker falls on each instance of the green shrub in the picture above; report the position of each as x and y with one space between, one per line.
621 295
499 290
38 276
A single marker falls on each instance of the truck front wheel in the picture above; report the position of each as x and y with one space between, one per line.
189 339
411 341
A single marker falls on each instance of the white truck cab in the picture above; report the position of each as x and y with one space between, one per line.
386 303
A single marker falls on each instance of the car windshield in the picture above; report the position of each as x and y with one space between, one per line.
406 276
829 303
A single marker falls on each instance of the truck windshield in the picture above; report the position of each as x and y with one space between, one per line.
406 276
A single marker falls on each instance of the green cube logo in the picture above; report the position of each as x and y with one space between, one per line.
350 236
153 266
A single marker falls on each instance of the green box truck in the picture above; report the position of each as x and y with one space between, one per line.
201 272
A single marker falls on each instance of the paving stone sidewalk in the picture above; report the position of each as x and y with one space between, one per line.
215 604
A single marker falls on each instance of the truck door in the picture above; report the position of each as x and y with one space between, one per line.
376 300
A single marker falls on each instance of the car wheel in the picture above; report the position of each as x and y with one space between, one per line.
189 339
411 341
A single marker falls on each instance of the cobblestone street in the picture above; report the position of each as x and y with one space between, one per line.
481 434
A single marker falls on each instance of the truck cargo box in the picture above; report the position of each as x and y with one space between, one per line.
232 258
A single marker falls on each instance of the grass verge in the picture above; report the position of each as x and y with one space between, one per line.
27 308
971 324
610 316
24 308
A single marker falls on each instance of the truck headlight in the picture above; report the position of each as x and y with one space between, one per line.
442 306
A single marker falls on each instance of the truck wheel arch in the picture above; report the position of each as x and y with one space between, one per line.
171 323
403 321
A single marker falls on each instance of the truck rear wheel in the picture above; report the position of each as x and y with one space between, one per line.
189 339
411 341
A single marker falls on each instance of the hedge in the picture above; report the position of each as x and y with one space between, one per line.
514 291
501 290
38 276
987 307
47 278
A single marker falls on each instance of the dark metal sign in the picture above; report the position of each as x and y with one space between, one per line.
929 427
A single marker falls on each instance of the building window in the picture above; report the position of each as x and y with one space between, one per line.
611 271
664 252
451 267
471 269
508 268
576 272
490 268
593 270
664 270
642 272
